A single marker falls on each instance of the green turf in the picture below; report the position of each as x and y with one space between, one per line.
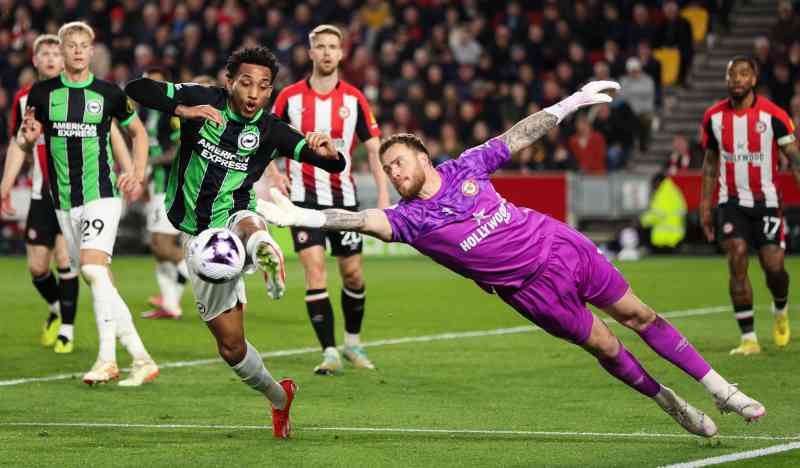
527 382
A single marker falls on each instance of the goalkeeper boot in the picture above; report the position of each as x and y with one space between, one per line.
101 372
50 330
269 259
142 371
358 357
63 345
780 327
689 417
331 362
747 347
733 400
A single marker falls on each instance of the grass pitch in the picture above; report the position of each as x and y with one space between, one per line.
512 397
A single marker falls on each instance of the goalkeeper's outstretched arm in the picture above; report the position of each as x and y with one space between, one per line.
282 212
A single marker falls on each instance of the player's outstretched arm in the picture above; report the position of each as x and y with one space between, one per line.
282 212
525 132
189 101
710 174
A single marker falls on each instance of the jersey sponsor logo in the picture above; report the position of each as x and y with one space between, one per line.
500 217
249 140
344 112
756 158
94 107
75 129
222 157
760 127
469 188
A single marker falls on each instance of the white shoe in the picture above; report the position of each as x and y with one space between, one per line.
269 259
735 401
101 372
142 371
689 417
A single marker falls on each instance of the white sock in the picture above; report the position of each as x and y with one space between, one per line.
103 293
253 373
714 383
352 339
66 331
180 270
166 275
183 269
55 308
750 336
126 330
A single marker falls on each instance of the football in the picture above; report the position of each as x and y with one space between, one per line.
216 255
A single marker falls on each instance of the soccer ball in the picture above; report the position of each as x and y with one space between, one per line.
216 255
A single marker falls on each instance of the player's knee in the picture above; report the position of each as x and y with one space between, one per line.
316 276
93 274
642 317
232 350
38 268
353 279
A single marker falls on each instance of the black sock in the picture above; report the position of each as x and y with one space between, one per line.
47 287
746 319
353 308
781 303
320 312
68 289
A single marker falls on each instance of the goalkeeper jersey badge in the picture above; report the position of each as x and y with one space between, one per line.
469 188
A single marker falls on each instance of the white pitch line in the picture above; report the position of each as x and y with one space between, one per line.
394 430
737 456
371 344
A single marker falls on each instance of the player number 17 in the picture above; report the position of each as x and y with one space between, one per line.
771 225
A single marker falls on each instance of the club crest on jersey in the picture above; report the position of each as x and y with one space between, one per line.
760 127
469 188
249 140
94 107
727 228
344 112
302 237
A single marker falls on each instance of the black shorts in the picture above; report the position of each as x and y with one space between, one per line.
41 228
343 243
759 225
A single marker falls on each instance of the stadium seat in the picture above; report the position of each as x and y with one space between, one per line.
670 60
698 19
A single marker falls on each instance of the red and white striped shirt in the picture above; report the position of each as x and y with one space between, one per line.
343 114
39 171
748 143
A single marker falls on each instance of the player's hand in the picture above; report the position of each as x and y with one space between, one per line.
282 212
30 129
130 185
280 182
595 92
322 144
707 223
5 202
200 112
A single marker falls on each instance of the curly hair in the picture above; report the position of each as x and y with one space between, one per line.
253 55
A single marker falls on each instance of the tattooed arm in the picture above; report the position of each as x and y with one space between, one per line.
792 151
533 127
710 174
525 132
372 222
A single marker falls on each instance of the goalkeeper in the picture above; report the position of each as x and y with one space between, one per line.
542 268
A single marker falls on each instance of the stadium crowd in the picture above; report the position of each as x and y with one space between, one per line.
457 72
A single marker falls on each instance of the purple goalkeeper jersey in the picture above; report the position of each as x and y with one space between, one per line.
470 229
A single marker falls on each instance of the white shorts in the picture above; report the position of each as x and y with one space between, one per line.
92 226
157 220
213 299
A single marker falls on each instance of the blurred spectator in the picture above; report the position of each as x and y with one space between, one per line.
613 57
763 54
781 87
786 29
639 91
641 29
612 26
588 146
651 67
617 123
684 156
464 47
677 32
554 152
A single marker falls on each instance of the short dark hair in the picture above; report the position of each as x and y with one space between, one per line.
259 55
409 139
161 71
743 58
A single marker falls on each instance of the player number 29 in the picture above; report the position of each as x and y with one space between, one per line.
95 225
771 225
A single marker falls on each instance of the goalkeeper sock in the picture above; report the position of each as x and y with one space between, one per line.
320 312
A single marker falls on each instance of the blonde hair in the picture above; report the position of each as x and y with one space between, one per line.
75 27
49 39
325 29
